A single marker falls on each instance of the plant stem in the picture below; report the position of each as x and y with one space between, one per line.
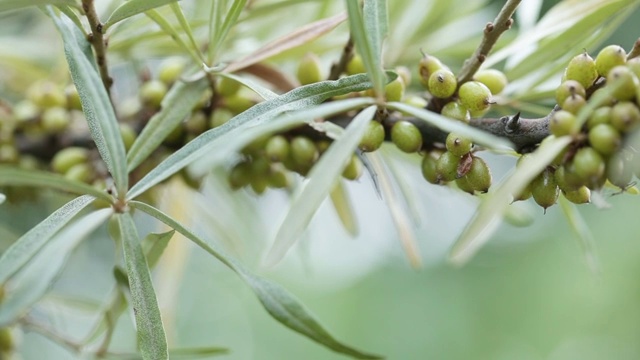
98 42
492 32
339 67
635 51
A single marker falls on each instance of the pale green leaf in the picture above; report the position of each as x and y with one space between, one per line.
171 31
67 10
583 234
219 34
300 98
151 337
3 198
131 8
33 280
344 209
320 180
176 105
27 246
445 124
6 5
376 23
154 245
13 176
177 11
96 104
262 91
197 353
492 208
276 300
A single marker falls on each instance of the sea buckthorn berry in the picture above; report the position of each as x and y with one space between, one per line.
128 135
494 79
277 148
55 119
563 123
373 137
303 151
605 139
219 117
464 185
458 145
582 68
629 82
64 159
322 145
573 104
260 166
601 115
240 175
355 65
73 98
81 172
427 66
152 92
309 69
447 166
47 94
259 184
589 165
227 86
475 96
561 174
256 146
394 91
634 66
405 74
170 70
428 167
479 175
442 83
619 172
608 100
568 88
196 123
406 136
25 111
455 110
544 189
415 101
237 103
625 116
353 170
8 154
278 179
580 196
610 57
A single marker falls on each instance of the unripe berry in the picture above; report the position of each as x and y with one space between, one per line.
563 123
152 92
455 110
406 136
260 166
447 166
309 69
582 68
237 103
464 185
240 175
634 66
303 151
458 145
219 117
394 91
373 137
629 82
277 148
405 74
170 70
610 57
544 189
568 88
494 79
475 96
64 159
415 101
355 65
82 172
259 184
128 135
625 116
55 119
427 66
73 98
256 146
7 342
589 165
227 87
573 104
479 175
196 123
605 139
608 100
601 115
428 167
8 154
278 179
47 94
25 111
567 180
580 196
619 172
442 84
353 170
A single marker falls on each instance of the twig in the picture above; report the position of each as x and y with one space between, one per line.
339 67
492 32
635 51
97 40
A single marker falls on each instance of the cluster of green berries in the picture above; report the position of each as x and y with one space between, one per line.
599 152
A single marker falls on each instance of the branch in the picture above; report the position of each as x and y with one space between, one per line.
96 39
339 67
492 32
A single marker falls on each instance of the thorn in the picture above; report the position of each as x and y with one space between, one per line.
513 123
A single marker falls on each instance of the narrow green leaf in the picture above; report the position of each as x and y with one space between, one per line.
262 91
216 18
110 315
27 246
321 180
493 207
583 234
96 104
67 10
359 31
176 105
33 280
151 338
230 19
344 209
171 31
13 176
155 246
177 11
131 8
6 5
197 353
300 98
276 300
376 23
445 124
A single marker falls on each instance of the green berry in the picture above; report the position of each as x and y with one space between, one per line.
625 116
128 135
152 92
610 57
278 179
219 117
495 80
475 96
353 170
568 88
170 70
415 101
447 166
322 145
405 74
47 94
455 110
64 159
605 139
573 104
240 175
277 148
608 99
427 66
406 136
601 115
373 137
25 111
589 165
627 81
260 166
582 68
196 123
73 98
479 175
303 151
394 91
227 87
355 65
634 66
544 189
7 342
259 184
580 196
464 185
619 172
442 84
55 119
309 69
81 172
237 103
8 154
429 171
458 145
563 123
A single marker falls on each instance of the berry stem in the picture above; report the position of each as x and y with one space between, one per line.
98 42
492 32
